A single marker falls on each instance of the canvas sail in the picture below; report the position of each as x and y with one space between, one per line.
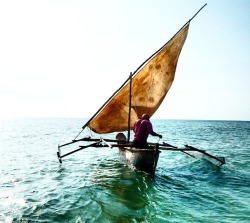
149 87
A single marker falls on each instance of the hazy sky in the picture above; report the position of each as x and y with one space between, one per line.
65 58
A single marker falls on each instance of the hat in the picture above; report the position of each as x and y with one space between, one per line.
145 116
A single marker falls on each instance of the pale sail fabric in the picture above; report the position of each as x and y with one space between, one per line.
149 87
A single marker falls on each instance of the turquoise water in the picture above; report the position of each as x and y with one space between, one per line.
94 185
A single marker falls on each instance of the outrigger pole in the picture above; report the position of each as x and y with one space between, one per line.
218 161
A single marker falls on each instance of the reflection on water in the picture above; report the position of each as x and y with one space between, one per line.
127 191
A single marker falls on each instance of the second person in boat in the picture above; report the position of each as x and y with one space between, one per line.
142 128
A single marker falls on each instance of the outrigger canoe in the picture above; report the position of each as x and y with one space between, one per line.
143 92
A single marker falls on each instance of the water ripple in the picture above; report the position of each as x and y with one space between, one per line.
94 185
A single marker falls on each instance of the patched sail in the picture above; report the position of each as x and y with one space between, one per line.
149 87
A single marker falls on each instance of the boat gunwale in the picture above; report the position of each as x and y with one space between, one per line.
134 149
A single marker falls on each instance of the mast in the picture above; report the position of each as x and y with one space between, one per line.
129 109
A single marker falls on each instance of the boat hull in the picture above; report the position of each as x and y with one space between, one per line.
141 159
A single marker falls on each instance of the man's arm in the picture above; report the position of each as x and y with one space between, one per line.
155 134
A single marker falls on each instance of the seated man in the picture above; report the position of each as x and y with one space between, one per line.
142 128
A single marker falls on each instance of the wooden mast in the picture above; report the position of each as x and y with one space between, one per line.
129 109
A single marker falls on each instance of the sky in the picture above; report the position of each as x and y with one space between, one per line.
63 58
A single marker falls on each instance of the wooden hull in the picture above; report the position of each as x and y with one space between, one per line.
142 159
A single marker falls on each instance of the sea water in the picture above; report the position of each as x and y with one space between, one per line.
94 185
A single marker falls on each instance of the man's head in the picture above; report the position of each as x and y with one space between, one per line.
145 116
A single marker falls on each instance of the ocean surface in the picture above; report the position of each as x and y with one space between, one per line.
94 185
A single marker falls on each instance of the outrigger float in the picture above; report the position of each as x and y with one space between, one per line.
143 92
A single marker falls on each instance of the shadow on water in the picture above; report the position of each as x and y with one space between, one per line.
124 194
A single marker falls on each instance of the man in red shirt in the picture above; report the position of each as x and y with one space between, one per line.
142 128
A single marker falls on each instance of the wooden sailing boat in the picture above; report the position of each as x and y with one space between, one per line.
143 92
